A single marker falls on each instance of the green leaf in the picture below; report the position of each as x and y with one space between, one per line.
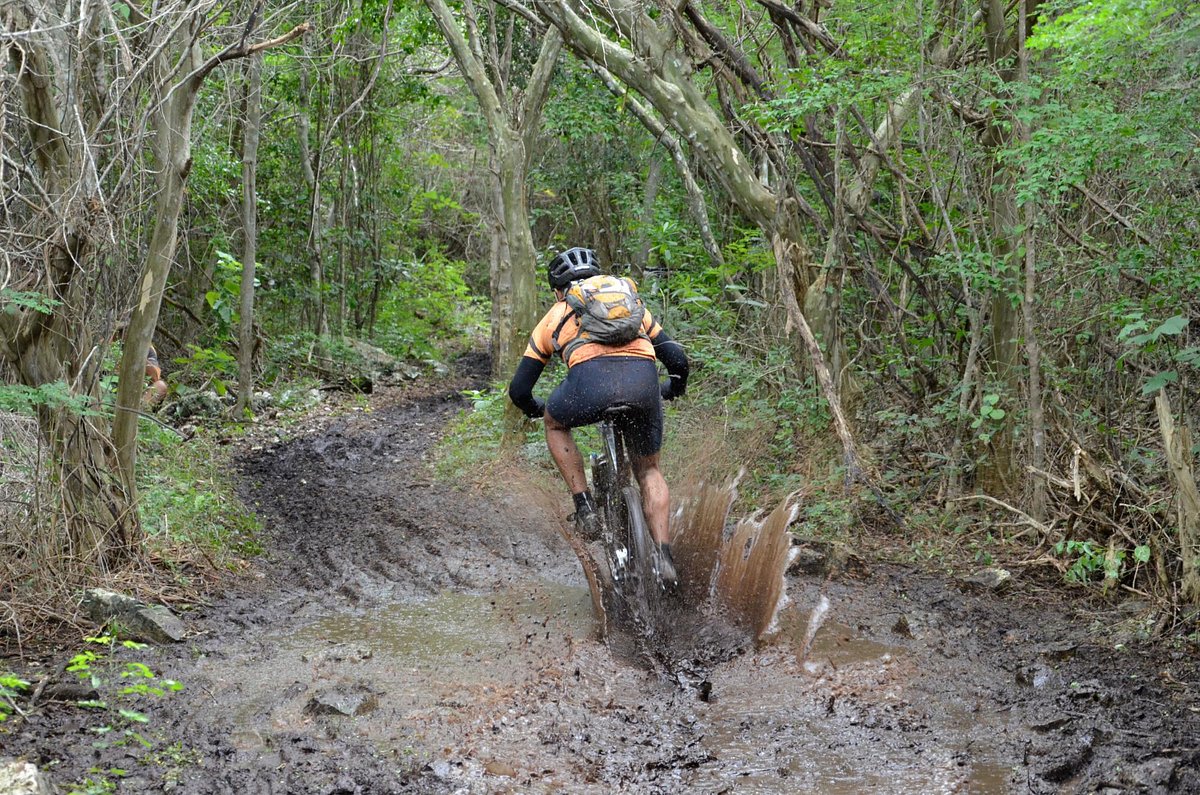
27 300
1158 381
1141 553
1189 356
1171 326
133 715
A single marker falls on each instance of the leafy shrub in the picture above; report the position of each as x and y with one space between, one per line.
428 304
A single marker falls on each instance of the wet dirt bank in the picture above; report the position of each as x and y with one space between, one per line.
402 634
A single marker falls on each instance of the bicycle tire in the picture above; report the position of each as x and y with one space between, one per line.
610 507
642 549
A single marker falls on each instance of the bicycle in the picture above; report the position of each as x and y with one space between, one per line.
636 586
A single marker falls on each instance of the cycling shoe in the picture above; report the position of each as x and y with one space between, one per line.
666 567
587 523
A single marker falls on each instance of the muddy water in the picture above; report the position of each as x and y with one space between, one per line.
501 683
510 690
774 727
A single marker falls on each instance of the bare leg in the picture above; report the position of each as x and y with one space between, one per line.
656 497
565 454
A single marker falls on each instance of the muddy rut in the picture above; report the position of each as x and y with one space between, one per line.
403 634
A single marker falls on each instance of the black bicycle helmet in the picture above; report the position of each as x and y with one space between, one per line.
571 266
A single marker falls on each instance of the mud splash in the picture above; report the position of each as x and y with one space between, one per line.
732 588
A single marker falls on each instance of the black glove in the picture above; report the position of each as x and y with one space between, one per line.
666 389
540 405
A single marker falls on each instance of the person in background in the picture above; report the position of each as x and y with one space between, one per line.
157 390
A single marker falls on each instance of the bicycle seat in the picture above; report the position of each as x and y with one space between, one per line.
618 411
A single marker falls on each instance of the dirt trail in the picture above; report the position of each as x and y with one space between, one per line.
457 631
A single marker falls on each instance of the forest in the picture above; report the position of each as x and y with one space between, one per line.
934 264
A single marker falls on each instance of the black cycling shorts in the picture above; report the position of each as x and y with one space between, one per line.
595 385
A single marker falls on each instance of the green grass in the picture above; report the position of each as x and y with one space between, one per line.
187 494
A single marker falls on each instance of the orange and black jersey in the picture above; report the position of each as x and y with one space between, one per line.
656 344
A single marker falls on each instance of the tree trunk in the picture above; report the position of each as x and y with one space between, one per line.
310 169
249 233
998 473
1178 446
511 135
649 193
514 292
171 122
1037 419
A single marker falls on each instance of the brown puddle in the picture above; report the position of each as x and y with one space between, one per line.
473 683
457 628
776 725
514 681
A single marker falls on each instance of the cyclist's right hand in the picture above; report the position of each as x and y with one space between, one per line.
540 405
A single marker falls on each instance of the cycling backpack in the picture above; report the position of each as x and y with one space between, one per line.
609 312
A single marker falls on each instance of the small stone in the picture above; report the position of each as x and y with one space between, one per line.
902 628
987 580
131 617
350 702
496 768
18 777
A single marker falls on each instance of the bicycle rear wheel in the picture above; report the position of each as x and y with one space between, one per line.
642 551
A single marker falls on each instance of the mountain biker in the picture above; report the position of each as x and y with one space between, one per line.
600 376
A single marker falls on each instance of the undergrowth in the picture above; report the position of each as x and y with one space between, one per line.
188 496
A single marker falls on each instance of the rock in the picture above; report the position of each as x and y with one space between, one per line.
902 627
987 580
349 701
1155 774
198 404
823 559
440 768
131 617
1057 650
18 777
498 768
1036 675
70 691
